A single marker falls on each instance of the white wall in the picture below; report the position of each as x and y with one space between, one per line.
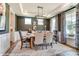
17 37
4 43
11 24
7 37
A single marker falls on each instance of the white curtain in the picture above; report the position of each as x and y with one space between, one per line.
70 20
53 24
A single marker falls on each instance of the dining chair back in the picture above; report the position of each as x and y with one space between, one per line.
20 35
39 37
23 40
49 38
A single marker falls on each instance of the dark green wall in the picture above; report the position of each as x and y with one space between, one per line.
15 22
7 20
21 26
7 17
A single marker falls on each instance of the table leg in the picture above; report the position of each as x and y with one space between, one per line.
31 43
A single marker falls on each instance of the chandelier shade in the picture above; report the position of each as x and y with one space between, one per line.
39 12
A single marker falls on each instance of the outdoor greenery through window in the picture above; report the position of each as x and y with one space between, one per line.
40 21
28 21
70 22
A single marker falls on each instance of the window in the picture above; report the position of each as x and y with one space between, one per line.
70 22
40 21
70 27
53 24
27 20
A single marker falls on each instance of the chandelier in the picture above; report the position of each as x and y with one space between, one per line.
39 12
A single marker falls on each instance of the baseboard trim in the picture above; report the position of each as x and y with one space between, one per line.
69 46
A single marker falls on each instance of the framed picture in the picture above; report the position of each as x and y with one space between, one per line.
2 17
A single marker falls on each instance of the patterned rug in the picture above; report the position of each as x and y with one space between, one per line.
57 50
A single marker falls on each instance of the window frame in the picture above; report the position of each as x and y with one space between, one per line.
26 22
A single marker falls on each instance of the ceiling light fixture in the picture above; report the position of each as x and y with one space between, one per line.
39 12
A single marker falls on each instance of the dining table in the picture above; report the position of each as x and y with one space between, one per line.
31 37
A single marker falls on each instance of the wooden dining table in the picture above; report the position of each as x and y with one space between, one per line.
31 37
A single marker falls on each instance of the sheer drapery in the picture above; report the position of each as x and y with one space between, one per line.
70 26
63 31
77 25
53 24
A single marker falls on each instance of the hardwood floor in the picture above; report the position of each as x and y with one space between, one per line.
12 46
69 53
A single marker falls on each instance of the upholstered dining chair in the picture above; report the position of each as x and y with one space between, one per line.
55 36
39 37
49 39
23 40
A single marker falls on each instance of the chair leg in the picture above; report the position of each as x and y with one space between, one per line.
21 45
46 46
51 45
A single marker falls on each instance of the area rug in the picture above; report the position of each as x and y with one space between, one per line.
57 49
